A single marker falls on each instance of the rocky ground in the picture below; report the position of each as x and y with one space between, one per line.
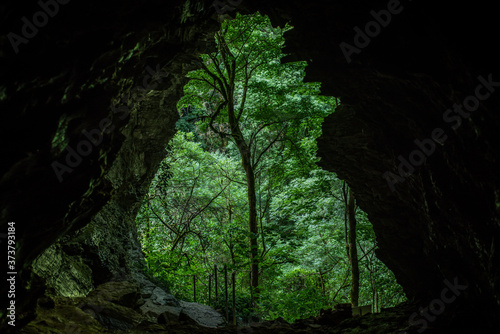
143 307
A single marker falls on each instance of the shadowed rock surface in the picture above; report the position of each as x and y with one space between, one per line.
92 59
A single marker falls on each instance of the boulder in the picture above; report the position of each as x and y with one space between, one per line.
169 318
121 293
160 297
153 311
202 314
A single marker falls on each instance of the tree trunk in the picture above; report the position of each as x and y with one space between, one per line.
246 160
228 88
353 252
322 283
346 222
252 226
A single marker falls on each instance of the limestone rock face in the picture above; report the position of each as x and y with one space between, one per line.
88 107
119 306
108 100
67 274
160 297
201 314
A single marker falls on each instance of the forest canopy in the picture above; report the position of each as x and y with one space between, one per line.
240 189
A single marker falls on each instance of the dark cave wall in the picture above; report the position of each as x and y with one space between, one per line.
77 75
81 80
442 222
107 248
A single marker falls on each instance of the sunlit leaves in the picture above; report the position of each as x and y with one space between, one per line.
196 212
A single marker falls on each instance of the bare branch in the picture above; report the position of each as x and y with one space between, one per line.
256 162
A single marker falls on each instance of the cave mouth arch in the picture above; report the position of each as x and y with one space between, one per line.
392 93
112 257
177 246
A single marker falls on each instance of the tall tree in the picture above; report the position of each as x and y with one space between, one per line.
244 105
254 101
353 251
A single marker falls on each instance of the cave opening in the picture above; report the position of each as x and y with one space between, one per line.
194 221
66 80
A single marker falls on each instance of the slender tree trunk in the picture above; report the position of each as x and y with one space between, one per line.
346 222
228 88
231 245
353 252
252 226
322 283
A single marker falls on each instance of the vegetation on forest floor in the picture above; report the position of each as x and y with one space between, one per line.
240 187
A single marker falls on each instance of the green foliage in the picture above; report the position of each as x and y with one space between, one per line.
295 294
196 212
